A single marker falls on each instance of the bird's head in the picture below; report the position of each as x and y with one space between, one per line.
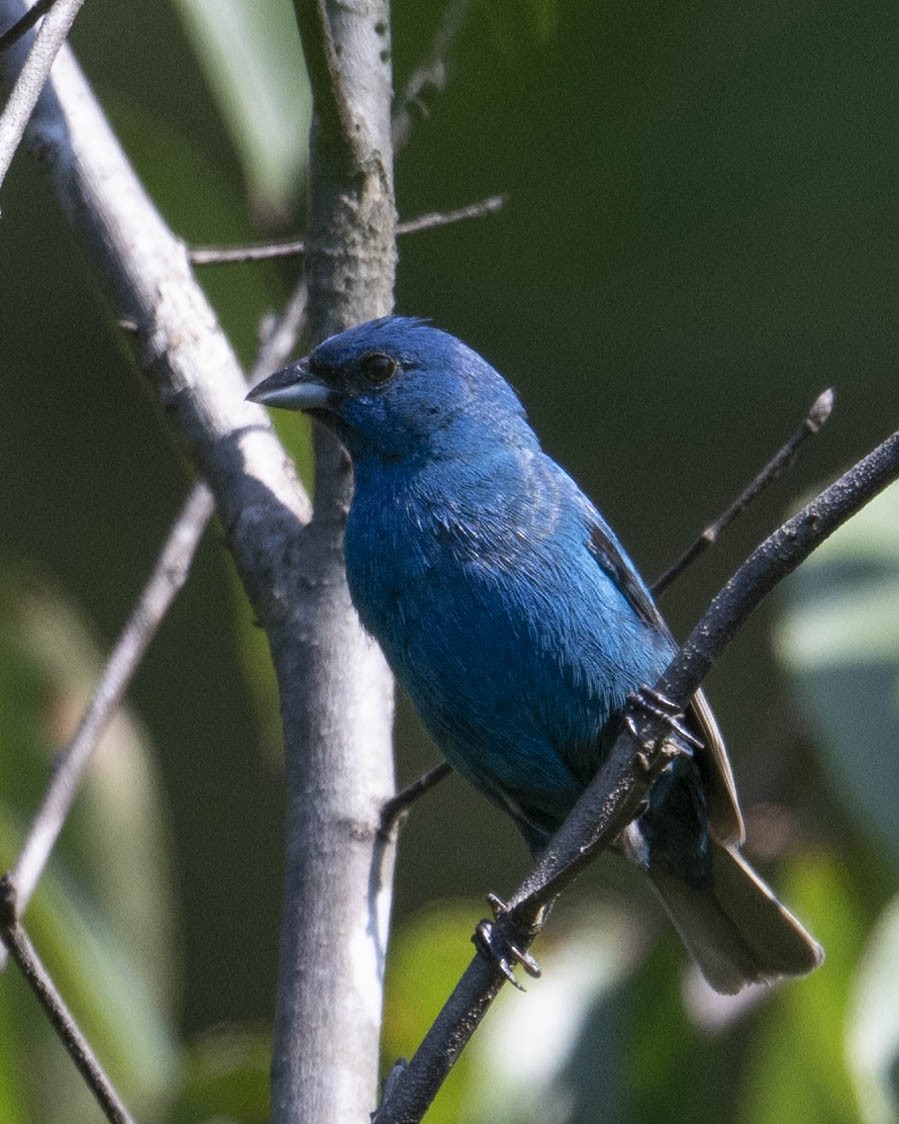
398 387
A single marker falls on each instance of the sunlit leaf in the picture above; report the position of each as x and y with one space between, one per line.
839 640
543 1055
252 59
797 1067
102 916
873 1032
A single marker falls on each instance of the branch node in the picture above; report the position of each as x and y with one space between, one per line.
820 411
9 901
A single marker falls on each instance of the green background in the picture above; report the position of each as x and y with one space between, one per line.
700 235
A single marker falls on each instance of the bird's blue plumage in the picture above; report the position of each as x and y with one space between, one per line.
510 613
470 556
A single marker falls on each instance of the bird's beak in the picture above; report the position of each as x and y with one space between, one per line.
293 388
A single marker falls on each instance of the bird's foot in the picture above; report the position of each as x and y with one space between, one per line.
659 706
505 943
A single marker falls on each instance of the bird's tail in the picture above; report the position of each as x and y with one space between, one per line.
735 928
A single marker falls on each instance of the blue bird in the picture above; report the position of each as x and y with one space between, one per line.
515 621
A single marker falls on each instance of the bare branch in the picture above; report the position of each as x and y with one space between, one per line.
336 692
615 793
398 805
254 251
38 978
335 688
180 343
492 205
186 356
817 416
32 76
227 255
279 336
26 23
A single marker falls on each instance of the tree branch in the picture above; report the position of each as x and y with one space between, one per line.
614 795
336 692
16 942
265 251
27 21
33 75
817 416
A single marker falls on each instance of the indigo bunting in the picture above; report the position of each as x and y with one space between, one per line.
518 626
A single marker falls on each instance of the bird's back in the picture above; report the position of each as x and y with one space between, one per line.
515 645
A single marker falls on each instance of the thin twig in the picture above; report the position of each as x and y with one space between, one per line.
492 205
266 251
279 336
39 980
167 578
18 29
430 74
617 789
32 76
397 805
812 422
255 251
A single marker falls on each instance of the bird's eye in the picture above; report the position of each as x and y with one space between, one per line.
378 368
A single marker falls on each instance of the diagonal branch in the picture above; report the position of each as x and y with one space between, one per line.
817 416
614 795
33 75
26 23
15 940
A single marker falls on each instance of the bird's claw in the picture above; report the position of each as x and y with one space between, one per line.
495 941
661 707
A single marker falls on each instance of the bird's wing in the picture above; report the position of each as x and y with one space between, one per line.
725 819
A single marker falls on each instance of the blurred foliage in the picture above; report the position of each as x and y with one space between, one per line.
104 914
840 639
700 235
252 59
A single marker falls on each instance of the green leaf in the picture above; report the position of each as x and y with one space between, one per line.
102 917
839 641
520 23
428 954
797 1068
253 61
873 1031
